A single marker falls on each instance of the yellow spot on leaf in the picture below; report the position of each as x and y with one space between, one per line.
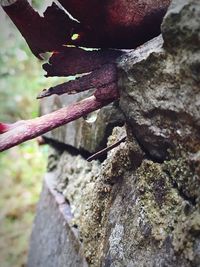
75 36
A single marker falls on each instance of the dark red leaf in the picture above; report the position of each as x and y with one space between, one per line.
98 78
73 61
42 34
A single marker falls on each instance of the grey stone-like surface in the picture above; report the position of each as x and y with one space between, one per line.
160 86
141 206
53 242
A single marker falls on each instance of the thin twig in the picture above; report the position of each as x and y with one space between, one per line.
105 150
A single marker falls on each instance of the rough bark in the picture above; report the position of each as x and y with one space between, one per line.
141 206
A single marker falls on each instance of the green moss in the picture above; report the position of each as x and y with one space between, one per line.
183 175
185 232
21 171
93 227
160 203
164 192
94 217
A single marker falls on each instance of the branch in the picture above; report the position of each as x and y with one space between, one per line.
14 134
105 150
101 77
73 60
107 92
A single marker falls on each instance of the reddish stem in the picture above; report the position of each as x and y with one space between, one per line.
25 130
96 79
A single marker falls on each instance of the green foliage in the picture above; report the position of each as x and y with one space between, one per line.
22 167
20 75
36 4
21 171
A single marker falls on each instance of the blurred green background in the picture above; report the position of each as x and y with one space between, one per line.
22 167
